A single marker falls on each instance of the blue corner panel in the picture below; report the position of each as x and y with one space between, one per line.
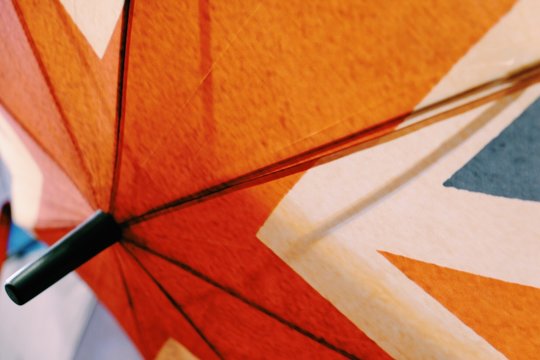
509 166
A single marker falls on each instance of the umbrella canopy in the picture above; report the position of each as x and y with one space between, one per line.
175 125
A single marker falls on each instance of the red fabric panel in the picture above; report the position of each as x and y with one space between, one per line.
217 238
83 86
25 94
218 89
236 329
51 235
105 276
156 317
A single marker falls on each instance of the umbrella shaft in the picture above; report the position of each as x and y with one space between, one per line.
87 240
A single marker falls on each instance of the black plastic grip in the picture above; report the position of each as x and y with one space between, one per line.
80 245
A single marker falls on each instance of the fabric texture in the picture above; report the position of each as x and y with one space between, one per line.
177 131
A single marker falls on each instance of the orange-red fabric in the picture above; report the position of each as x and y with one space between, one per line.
218 239
51 235
505 314
25 94
235 328
215 90
106 276
83 86
156 317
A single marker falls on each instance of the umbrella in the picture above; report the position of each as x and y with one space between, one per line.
191 126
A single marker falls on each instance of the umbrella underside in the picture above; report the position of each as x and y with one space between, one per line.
191 129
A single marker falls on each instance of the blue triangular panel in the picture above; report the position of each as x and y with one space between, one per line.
509 165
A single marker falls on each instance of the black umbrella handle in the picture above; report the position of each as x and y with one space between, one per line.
80 245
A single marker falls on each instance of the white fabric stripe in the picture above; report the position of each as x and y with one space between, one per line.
26 177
